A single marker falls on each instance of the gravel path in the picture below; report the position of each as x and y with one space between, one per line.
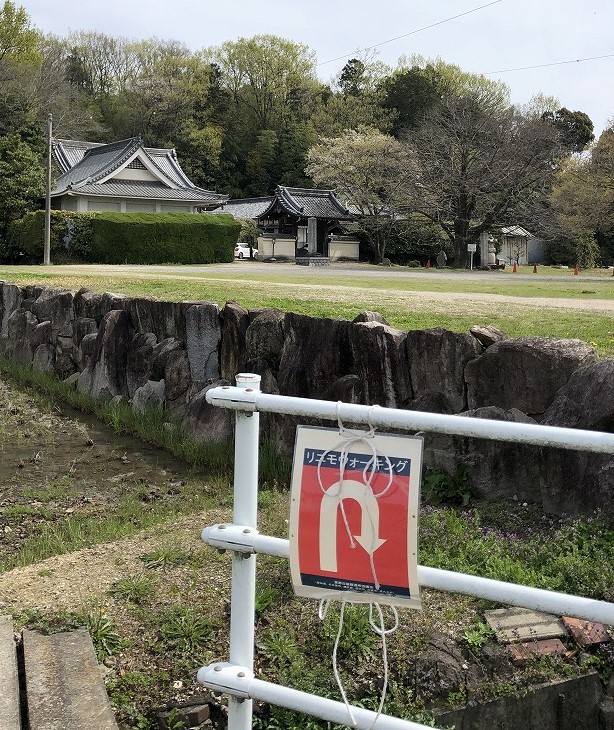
444 302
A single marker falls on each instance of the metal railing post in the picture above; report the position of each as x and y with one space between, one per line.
243 590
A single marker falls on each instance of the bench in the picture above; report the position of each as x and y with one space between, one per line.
51 682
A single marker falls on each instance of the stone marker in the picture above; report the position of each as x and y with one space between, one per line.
520 624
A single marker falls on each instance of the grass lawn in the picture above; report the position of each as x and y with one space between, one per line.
414 302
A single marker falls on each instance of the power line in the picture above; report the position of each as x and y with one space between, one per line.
412 32
545 65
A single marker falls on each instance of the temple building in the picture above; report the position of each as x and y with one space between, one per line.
124 177
298 223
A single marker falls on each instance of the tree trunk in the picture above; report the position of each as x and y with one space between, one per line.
461 239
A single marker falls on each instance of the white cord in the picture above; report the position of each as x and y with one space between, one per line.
381 631
350 438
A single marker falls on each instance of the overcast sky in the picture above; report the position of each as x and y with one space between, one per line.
508 34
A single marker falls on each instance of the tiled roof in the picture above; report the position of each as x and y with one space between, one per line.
166 160
146 191
86 164
516 231
96 163
306 203
68 152
245 207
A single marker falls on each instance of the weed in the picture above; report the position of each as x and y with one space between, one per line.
48 623
185 630
454 489
25 510
279 645
106 640
45 573
265 596
52 492
477 635
133 588
165 557
357 638
174 721
457 698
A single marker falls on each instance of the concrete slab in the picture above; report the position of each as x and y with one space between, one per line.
10 716
520 624
586 633
64 684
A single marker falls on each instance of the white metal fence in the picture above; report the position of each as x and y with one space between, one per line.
236 677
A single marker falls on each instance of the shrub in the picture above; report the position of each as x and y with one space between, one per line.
118 238
158 238
582 249
71 235
442 488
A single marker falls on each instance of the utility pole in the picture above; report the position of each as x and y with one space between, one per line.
47 243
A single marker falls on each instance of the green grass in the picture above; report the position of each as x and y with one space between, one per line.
346 296
129 517
152 281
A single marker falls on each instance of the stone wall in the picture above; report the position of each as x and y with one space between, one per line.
167 354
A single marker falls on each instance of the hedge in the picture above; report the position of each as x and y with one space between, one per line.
124 238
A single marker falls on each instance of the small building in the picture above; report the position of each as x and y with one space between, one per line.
298 222
124 177
520 246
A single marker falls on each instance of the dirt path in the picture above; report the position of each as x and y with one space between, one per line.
57 466
431 301
75 581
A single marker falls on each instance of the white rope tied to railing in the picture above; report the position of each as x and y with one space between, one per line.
349 438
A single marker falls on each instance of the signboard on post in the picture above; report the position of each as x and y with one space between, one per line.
354 517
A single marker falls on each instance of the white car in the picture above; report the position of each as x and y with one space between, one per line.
242 251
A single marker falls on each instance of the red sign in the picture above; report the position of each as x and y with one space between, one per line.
354 516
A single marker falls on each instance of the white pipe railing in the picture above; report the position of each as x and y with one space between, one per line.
245 512
238 399
236 677
234 537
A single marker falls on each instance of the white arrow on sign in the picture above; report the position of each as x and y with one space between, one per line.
369 538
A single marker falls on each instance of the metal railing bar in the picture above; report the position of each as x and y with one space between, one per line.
239 682
234 537
241 399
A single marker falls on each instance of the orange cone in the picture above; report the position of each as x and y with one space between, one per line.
428 264
515 269
535 268
576 271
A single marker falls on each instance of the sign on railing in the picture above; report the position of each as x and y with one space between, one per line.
236 677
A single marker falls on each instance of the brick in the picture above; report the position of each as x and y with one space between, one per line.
586 633
528 649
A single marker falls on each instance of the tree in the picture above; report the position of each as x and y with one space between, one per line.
22 180
480 161
352 77
373 173
262 73
18 40
410 92
575 128
582 204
